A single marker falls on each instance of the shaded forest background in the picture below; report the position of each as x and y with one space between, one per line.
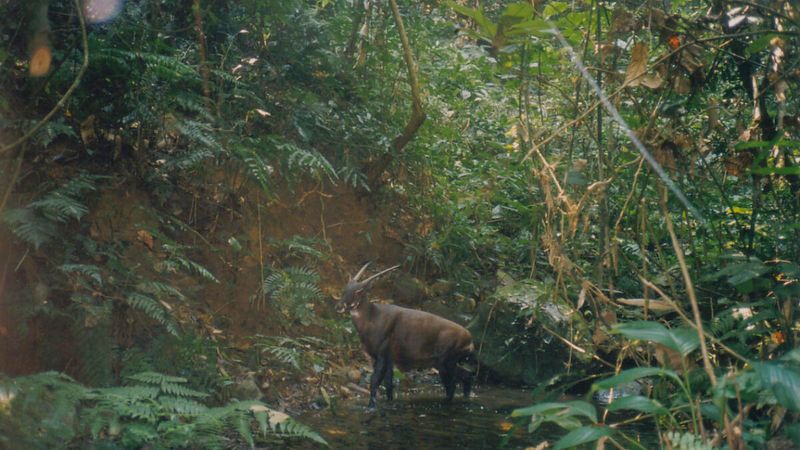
185 187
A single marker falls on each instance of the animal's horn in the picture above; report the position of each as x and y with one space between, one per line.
360 272
379 274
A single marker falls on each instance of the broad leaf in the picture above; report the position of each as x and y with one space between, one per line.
683 341
573 408
582 435
638 64
637 403
487 27
518 11
794 170
626 376
784 381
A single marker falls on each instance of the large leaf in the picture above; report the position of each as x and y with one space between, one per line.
740 272
626 376
582 435
573 408
518 11
784 381
637 403
536 27
683 341
488 28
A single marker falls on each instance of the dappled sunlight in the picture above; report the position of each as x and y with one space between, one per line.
101 11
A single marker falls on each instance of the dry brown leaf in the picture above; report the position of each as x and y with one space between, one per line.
582 296
682 85
653 305
623 20
638 65
668 357
88 134
145 238
650 81
541 446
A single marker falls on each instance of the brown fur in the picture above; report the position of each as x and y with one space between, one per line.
408 338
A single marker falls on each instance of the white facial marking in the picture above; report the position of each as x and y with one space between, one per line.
354 313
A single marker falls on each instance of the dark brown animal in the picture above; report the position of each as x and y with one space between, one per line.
406 338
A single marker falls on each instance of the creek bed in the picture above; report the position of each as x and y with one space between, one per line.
420 419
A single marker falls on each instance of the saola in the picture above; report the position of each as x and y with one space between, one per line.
406 338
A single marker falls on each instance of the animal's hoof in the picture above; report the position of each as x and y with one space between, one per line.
371 409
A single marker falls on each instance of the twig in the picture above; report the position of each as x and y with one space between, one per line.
630 194
13 179
417 112
63 100
689 288
576 347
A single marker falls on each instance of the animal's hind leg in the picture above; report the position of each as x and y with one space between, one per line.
388 379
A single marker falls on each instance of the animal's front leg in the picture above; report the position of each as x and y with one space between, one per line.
446 373
378 373
388 379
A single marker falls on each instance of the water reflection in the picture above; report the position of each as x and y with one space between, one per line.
421 420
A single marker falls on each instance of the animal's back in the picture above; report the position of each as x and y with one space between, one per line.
421 339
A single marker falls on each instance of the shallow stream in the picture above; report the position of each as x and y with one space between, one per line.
420 419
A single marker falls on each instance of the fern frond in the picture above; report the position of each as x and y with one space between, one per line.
182 406
354 177
180 391
199 132
256 167
193 103
30 227
88 270
242 425
177 261
60 208
159 289
153 309
295 429
295 157
156 378
302 246
163 66
128 392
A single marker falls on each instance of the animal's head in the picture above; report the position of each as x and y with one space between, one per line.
355 291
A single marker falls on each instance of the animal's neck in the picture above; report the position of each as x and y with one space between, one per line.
361 315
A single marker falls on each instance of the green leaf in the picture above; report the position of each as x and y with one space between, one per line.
536 27
783 380
574 408
234 243
487 27
554 8
795 170
536 409
626 376
683 341
637 403
785 143
739 273
582 435
760 44
518 11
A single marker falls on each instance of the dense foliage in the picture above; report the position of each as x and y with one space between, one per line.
633 165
